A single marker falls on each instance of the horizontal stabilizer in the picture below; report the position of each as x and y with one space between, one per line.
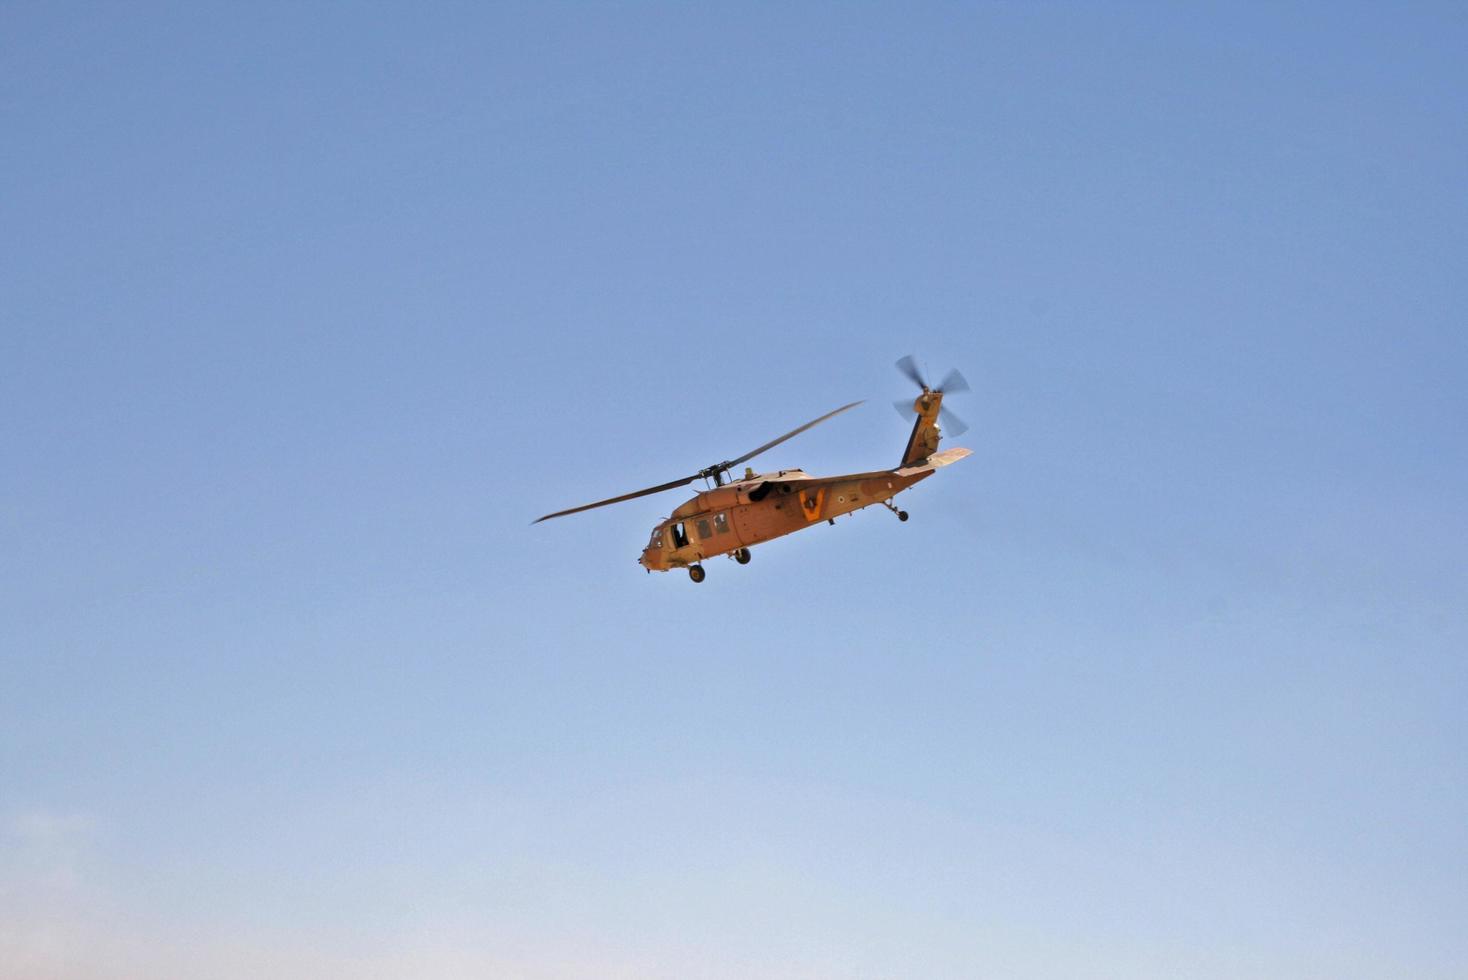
936 460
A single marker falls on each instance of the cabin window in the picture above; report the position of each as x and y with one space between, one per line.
680 536
704 530
721 523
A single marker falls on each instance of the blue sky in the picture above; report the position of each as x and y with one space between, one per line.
308 312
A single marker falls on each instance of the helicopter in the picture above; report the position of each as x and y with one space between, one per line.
729 516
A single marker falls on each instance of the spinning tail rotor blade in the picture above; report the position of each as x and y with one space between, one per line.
953 382
955 426
952 424
791 434
909 367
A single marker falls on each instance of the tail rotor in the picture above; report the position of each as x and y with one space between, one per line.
953 383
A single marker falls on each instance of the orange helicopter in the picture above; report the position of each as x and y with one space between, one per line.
730 516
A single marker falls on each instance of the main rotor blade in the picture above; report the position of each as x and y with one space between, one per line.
953 382
791 434
617 500
909 367
689 479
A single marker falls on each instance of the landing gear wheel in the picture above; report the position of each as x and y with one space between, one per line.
695 572
902 515
742 556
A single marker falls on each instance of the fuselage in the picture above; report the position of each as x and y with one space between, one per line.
761 507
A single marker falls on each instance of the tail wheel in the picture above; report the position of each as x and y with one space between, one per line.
902 515
696 572
742 556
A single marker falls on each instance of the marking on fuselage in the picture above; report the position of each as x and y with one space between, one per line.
810 503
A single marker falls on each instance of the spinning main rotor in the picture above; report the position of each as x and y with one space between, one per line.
716 471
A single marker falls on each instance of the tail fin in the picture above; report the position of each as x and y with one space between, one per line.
925 433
